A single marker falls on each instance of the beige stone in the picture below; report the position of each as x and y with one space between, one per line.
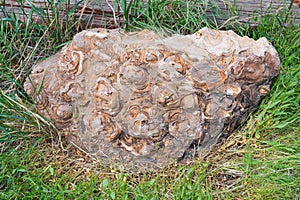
140 100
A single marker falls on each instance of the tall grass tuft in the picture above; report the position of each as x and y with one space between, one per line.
183 17
23 44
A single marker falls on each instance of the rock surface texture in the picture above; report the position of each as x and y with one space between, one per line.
140 101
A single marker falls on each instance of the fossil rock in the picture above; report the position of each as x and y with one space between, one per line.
140 101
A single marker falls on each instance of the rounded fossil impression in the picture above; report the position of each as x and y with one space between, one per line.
140 101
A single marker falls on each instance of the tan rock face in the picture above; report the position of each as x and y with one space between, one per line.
140 101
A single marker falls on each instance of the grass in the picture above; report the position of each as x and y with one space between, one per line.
259 161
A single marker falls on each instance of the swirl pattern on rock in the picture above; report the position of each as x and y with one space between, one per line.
141 100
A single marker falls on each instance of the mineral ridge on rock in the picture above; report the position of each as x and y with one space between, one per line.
140 101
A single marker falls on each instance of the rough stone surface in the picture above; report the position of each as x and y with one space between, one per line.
140 101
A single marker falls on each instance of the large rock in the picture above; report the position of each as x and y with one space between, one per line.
140 101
